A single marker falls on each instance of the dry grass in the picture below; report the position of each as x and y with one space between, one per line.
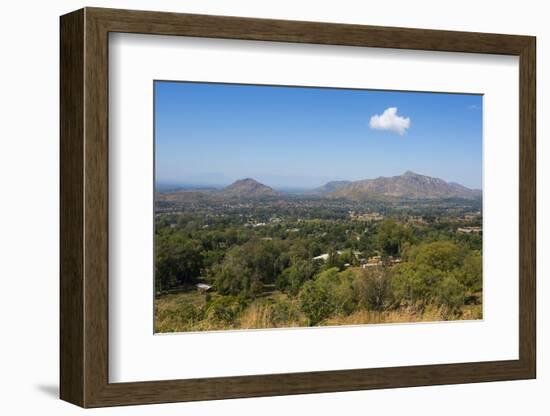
262 315
405 315
172 314
174 300
256 316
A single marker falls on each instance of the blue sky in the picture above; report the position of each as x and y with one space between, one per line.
292 137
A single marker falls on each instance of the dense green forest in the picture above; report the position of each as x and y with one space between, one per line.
299 262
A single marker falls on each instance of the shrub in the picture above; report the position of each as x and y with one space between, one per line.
411 283
449 292
439 272
472 271
189 314
341 292
315 303
184 317
224 310
283 313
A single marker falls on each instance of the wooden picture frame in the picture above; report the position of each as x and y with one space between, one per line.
84 207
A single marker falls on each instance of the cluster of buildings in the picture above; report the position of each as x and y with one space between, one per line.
378 261
374 261
367 216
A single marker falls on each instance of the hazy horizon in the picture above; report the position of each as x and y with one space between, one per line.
273 184
301 138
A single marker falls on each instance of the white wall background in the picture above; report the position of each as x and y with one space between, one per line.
29 83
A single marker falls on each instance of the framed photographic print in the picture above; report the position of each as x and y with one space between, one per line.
255 207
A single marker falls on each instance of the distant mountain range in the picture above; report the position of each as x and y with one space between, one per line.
409 185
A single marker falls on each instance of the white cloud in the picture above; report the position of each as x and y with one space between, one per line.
389 120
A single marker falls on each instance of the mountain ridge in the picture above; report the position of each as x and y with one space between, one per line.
409 185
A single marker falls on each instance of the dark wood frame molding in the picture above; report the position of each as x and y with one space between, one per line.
84 209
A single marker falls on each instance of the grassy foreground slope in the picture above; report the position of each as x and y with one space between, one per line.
352 297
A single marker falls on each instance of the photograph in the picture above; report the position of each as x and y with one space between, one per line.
279 206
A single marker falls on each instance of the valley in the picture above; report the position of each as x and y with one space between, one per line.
400 249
